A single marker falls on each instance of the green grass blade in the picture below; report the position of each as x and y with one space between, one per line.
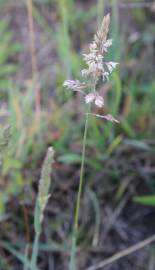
18 255
145 200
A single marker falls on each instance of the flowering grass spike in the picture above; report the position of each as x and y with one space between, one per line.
97 69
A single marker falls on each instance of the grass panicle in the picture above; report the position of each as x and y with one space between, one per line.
45 181
41 202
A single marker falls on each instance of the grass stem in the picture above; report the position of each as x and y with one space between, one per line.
72 265
35 75
35 251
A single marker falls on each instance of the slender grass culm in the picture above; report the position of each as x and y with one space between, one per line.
98 70
35 74
41 202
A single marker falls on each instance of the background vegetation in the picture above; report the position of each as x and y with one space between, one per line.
37 112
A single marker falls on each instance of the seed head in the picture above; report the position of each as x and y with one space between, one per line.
97 67
45 181
74 85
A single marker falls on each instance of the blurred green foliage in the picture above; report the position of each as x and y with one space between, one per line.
7 66
130 95
145 200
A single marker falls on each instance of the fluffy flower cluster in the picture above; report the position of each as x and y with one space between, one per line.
99 101
75 85
97 67
95 58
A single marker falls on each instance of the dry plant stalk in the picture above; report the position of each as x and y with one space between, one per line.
35 76
123 253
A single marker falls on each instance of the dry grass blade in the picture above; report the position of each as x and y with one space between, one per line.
35 75
123 253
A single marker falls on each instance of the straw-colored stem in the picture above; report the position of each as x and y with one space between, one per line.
123 253
72 265
33 59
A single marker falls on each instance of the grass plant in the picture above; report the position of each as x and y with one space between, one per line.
98 70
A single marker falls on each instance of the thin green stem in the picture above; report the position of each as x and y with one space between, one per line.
72 265
35 251
26 257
